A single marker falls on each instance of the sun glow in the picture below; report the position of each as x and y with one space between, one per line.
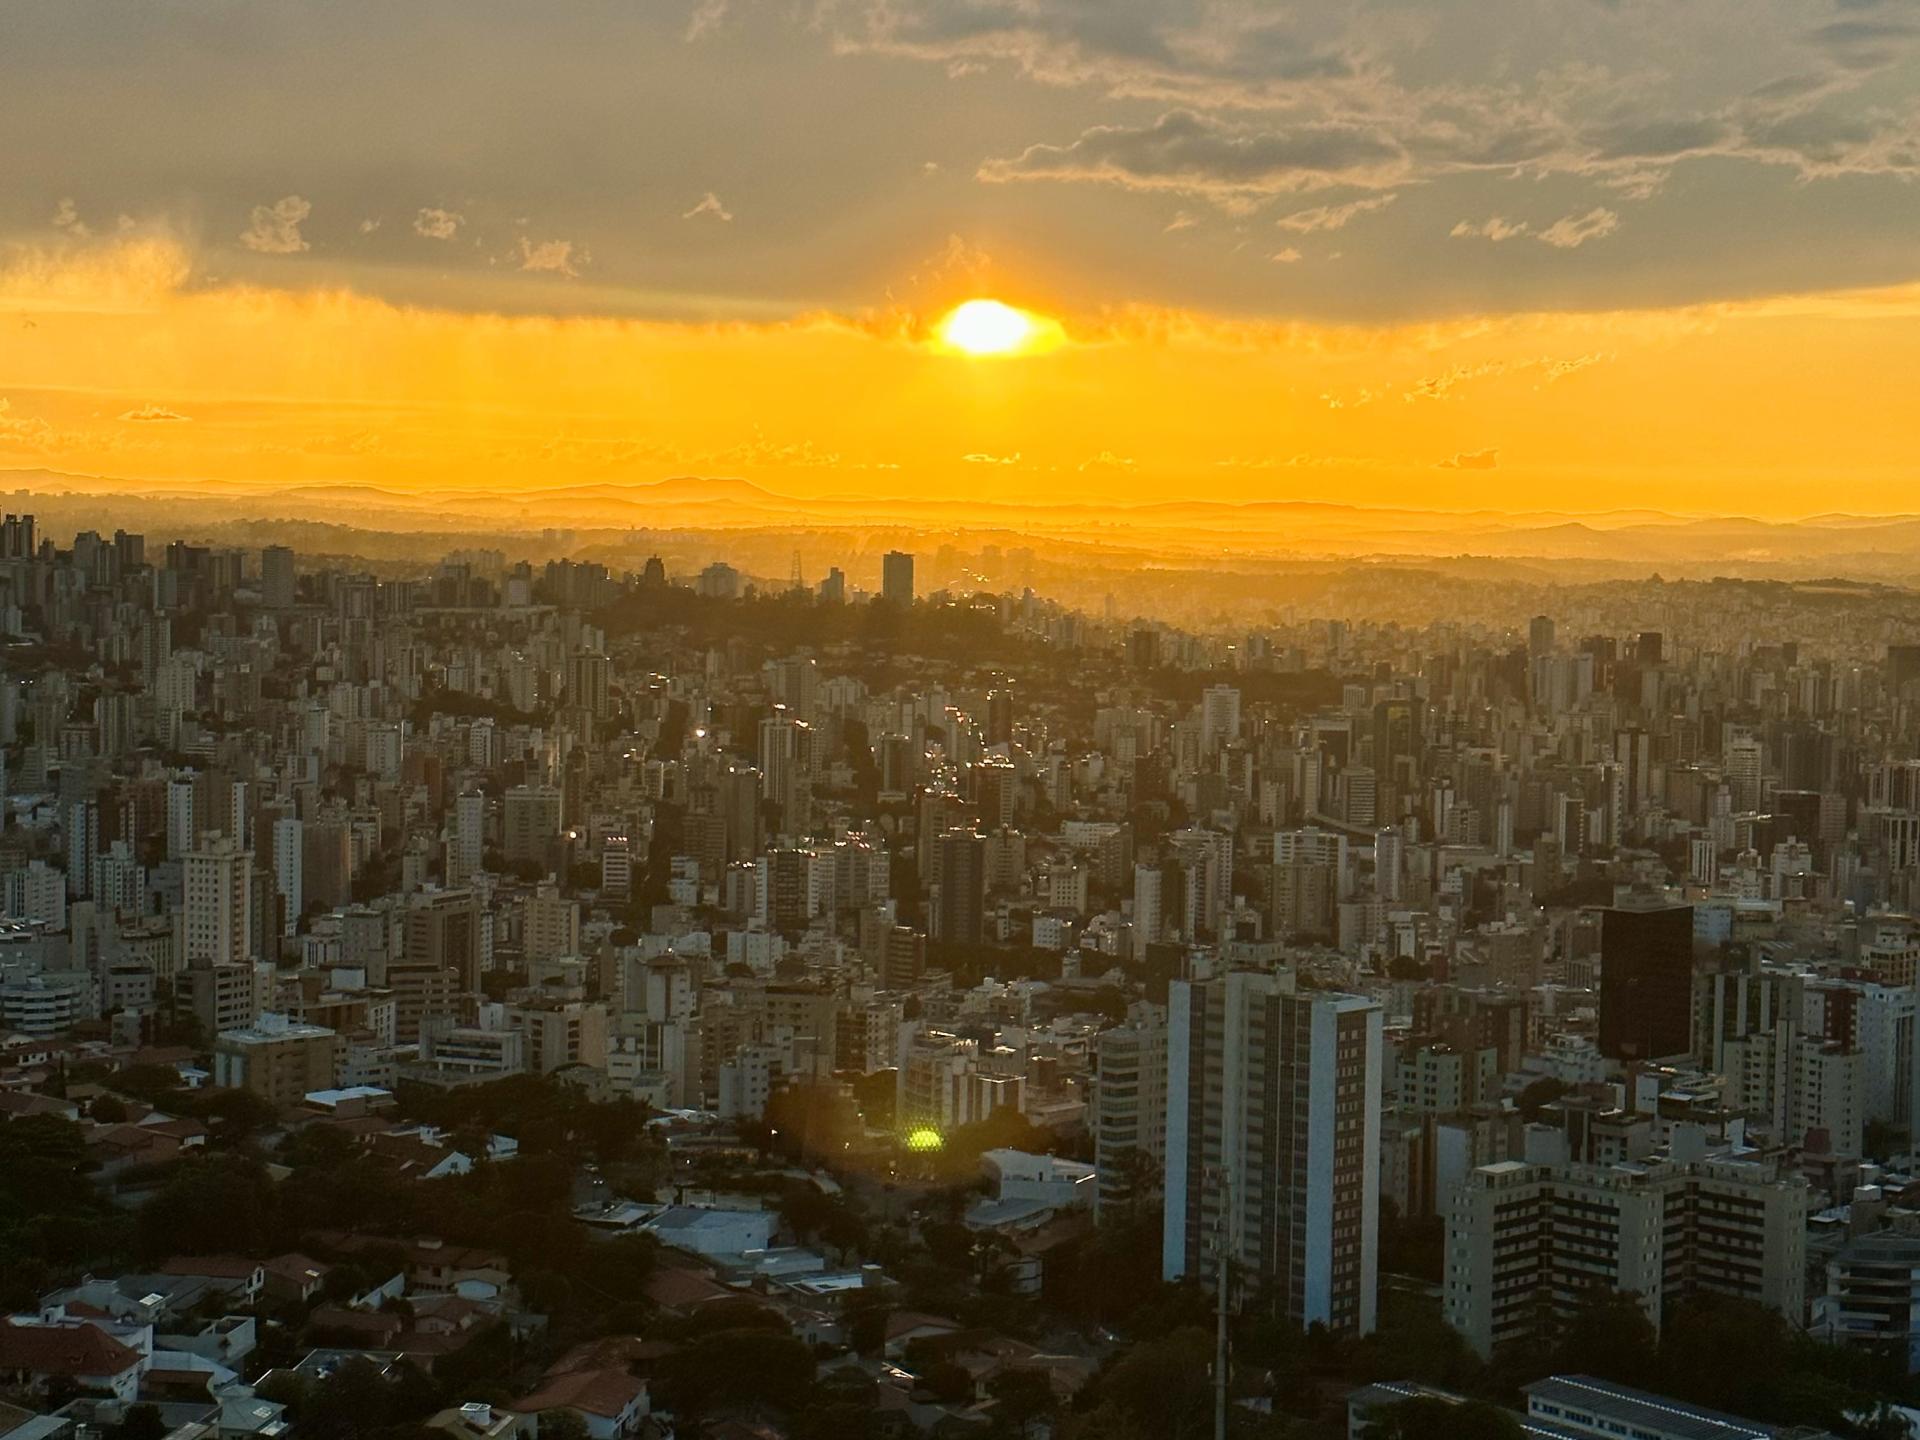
987 327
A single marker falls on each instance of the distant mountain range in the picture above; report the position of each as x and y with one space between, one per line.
1635 542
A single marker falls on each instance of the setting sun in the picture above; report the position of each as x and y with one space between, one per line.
987 327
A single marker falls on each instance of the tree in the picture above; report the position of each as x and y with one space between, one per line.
1609 1335
1020 1398
563 1425
142 1422
1427 1418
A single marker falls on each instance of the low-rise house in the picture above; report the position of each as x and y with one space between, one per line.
611 1402
233 1274
82 1356
717 1234
293 1278
477 1420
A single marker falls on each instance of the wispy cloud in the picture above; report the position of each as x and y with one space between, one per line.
1496 228
1570 232
433 223
1236 166
1334 217
275 229
709 206
155 414
550 257
706 17
66 216
1488 459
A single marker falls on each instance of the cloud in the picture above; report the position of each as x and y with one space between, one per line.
1567 233
1333 217
1233 165
66 217
275 229
1288 256
709 204
433 223
368 226
1496 228
1300 461
550 257
1184 51
1570 232
980 458
1182 220
1473 460
21 432
706 17
1107 460
155 414
1586 100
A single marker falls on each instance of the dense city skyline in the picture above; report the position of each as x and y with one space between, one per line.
959 720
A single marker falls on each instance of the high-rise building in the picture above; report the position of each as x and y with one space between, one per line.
1128 1110
588 678
1527 1243
1540 636
83 847
786 763
903 958
218 914
550 928
1219 717
896 578
960 878
1646 981
280 1060
1273 1142
444 930
530 823
289 868
276 577
466 845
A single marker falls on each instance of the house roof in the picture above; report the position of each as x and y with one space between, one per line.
73 1350
594 1392
905 1322
611 1352
301 1269
210 1267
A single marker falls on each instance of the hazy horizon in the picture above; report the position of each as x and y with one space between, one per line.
1568 260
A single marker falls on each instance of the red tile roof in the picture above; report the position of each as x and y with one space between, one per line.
80 1351
593 1392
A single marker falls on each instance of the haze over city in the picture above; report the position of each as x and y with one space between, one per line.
959 720
1581 258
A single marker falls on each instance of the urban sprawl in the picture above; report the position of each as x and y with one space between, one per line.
542 1000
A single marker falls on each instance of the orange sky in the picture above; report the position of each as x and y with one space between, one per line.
121 357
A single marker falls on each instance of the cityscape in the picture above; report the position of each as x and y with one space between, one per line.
545 999
959 720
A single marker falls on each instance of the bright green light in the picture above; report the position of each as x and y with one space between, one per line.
926 1138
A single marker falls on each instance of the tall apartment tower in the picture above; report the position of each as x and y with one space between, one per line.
1646 981
276 577
1273 1137
1129 1109
960 873
1540 635
896 578
218 914
289 868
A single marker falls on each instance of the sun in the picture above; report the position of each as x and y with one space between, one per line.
987 327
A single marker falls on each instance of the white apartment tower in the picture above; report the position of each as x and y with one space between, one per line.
1273 1136
219 904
